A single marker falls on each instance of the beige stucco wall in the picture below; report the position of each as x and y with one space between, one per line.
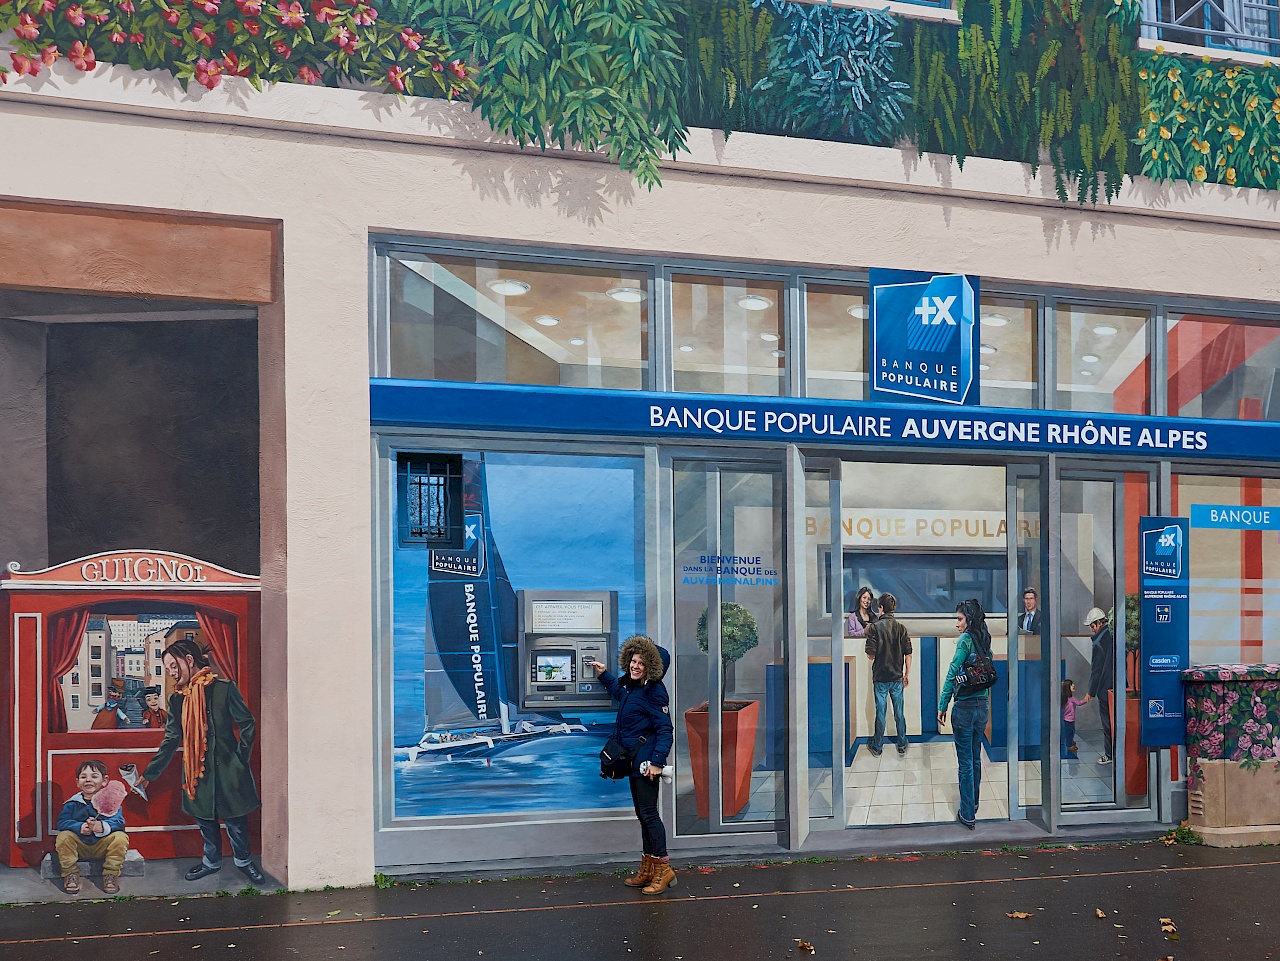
333 165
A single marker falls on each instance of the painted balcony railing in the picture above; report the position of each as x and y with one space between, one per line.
1248 26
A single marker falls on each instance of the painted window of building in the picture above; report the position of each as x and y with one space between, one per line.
1008 362
1223 367
95 652
1251 27
96 691
95 670
1103 359
728 335
159 671
836 340
75 702
1235 608
429 490
482 726
487 320
75 677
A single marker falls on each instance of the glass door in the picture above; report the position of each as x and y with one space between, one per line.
730 686
1102 761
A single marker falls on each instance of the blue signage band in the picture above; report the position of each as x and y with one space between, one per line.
850 424
1235 517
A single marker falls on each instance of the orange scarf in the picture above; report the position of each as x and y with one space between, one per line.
195 729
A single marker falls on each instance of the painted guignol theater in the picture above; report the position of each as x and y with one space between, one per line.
406 386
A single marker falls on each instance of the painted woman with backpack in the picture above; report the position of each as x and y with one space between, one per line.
969 677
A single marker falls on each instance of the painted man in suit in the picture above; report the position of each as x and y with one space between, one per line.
1029 619
210 721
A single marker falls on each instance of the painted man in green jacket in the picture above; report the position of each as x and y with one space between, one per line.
210 721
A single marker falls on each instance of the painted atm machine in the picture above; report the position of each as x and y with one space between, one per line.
84 649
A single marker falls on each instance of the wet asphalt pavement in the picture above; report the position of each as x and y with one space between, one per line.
1223 905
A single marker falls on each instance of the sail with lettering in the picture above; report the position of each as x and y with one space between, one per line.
470 617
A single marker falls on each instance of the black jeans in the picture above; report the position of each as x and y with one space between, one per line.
1104 714
644 794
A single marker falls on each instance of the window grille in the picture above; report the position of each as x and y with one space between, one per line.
1246 25
430 501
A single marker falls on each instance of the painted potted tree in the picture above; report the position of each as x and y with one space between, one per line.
739 720
1135 773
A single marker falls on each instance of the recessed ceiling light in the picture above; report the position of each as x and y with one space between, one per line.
576 341
1090 358
508 288
626 295
754 302
995 320
986 349
1086 373
857 310
984 367
546 320
1105 330
779 353
686 348
771 338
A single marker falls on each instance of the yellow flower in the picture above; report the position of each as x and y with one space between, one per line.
1155 153
1252 103
1231 175
1222 161
1235 131
1164 133
1204 146
1173 76
1199 173
1275 105
1152 116
1181 119
1159 48
1143 73
1142 134
1177 94
1206 58
1186 104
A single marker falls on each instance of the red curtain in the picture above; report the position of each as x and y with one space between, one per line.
220 635
66 631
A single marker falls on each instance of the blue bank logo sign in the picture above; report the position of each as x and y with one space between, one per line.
922 339
1163 555
1165 662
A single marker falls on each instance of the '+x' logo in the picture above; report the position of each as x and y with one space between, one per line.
1166 540
939 312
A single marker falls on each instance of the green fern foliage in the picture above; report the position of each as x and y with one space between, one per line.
725 46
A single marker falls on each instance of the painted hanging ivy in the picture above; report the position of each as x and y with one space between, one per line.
205 40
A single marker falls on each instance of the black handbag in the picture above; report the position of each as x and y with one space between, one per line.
615 760
979 674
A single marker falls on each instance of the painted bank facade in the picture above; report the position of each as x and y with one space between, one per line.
564 408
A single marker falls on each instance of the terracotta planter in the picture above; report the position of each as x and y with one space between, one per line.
1135 755
738 723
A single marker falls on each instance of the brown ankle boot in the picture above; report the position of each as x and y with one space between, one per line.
663 878
643 876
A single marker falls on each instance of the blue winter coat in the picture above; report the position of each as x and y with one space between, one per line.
77 810
644 711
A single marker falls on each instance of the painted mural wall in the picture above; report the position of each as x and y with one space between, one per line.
130 595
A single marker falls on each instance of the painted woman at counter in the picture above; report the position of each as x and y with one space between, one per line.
969 716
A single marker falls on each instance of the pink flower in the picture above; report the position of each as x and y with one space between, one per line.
365 15
24 66
346 40
410 39
307 75
137 37
1259 709
75 15
49 55
171 17
127 6
291 15
250 8
48 6
325 11
208 73
232 65
437 67
117 36
81 56
204 34
1256 751
99 17
283 49
396 78
252 27
232 26
1245 741
209 6
457 69
27 28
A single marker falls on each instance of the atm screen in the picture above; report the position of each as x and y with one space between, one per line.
551 668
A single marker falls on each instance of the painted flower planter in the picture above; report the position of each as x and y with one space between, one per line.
1233 752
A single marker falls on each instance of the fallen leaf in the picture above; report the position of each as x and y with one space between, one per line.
1099 912
1166 920
333 914
1169 929
1117 925
1020 915
806 947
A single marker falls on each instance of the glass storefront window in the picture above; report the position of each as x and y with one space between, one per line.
727 335
836 339
1103 360
1235 613
500 321
1223 367
1009 361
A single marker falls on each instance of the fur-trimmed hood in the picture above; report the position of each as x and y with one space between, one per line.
655 663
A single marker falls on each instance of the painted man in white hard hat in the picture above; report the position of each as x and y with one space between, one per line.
1102 676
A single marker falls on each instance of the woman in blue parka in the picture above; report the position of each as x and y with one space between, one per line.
644 729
